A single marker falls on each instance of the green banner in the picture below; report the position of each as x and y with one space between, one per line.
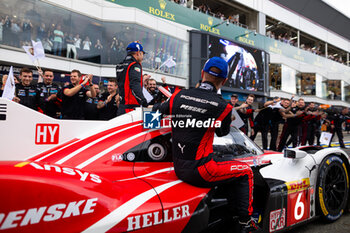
195 19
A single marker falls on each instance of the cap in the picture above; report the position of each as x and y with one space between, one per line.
134 47
234 95
219 63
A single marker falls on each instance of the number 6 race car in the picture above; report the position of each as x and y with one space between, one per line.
119 177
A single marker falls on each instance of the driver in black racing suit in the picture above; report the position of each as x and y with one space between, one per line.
199 113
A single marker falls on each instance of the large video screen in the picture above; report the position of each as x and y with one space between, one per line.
246 65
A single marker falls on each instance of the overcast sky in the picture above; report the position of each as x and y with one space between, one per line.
340 5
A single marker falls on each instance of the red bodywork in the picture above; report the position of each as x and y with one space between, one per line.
85 185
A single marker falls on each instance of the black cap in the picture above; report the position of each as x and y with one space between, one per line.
234 95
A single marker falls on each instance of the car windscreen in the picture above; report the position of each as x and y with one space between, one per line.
235 143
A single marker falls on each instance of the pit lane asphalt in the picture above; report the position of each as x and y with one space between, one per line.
320 226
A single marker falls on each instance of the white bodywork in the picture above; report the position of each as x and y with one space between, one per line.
19 130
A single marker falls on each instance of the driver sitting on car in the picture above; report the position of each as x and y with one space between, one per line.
204 113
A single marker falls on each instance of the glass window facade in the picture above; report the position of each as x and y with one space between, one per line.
334 89
306 84
71 35
275 76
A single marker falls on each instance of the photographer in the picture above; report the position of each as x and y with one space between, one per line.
75 94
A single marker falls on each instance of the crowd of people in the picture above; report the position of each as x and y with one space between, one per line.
59 40
312 48
290 122
79 99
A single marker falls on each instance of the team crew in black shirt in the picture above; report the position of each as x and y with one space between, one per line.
49 104
75 94
26 93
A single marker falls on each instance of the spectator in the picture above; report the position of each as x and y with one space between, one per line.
77 44
58 41
26 93
15 29
109 102
98 50
86 47
26 32
91 111
41 32
75 94
49 104
114 50
71 49
47 45
1 28
7 33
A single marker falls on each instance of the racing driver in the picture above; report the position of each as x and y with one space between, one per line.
129 77
194 161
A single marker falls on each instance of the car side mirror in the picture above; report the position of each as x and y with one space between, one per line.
294 153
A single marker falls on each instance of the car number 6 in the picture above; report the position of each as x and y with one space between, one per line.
299 205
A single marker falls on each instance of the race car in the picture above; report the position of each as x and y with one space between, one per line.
120 178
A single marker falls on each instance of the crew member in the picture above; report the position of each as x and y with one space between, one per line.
75 94
279 110
246 114
337 120
129 77
109 101
292 124
48 102
194 161
26 93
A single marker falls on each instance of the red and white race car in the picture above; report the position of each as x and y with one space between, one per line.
119 177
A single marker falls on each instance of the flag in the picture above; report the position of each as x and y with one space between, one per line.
39 52
36 51
168 63
9 90
30 52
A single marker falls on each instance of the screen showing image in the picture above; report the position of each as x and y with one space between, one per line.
246 65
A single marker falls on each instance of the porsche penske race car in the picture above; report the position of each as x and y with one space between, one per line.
119 177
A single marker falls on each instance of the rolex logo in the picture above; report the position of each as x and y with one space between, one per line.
276 44
246 33
162 4
210 21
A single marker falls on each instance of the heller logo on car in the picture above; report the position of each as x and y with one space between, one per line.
151 120
47 133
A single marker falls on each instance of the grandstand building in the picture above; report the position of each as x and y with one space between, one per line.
302 46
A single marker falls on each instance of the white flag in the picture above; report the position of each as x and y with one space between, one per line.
36 51
147 95
9 90
168 63
39 52
30 52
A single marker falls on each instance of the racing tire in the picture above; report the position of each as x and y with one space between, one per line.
332 188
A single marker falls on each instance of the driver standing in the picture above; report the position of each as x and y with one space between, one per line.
194 161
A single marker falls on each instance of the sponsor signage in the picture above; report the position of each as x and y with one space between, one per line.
25 217
191 18
47 134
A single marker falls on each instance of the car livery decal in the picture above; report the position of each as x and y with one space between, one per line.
123 211
298 203
50 213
